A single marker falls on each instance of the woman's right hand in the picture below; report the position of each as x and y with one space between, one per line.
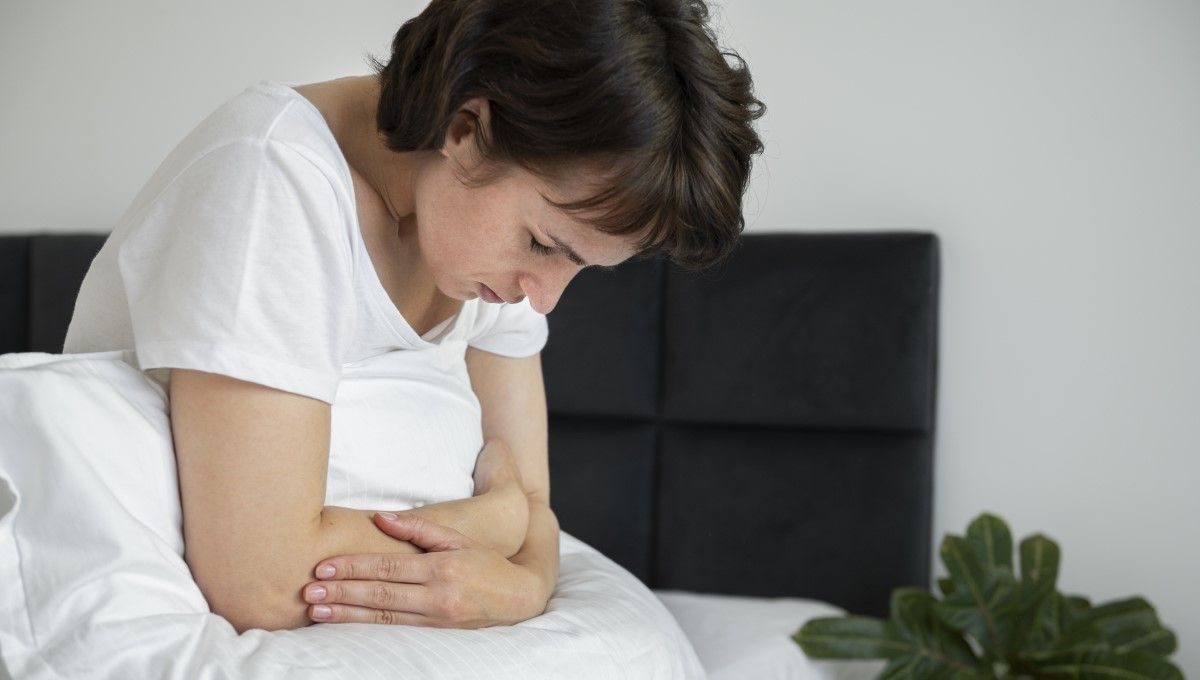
455 583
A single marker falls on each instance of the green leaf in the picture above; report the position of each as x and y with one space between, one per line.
1039 610
992 540
1160 642
1111 616
900 668
1107 666
1128 625
1077 605
1072 609
908 667
1022 625
1077 639
1043 626
1060 629
914 621
849 637
1039 565
983 604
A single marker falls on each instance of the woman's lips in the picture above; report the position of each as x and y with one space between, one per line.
489 295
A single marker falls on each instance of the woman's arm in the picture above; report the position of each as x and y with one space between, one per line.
497 515
512 397
512 394
488 589
252 465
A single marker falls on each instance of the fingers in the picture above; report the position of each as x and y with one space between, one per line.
344 613
379 567
391 603
420 532
401 598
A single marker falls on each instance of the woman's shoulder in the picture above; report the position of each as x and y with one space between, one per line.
270 120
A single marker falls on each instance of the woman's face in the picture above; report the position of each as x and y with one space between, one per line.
505 238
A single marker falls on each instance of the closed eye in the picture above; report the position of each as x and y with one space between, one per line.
539 248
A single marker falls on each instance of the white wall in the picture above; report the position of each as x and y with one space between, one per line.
1054 147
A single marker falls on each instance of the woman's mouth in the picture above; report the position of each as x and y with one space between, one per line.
489 295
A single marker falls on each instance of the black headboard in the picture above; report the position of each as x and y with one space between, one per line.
763 429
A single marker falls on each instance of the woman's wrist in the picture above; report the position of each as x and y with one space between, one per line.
497 518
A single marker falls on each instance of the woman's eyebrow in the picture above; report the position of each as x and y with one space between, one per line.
566 248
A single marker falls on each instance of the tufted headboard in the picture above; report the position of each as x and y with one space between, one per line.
764 429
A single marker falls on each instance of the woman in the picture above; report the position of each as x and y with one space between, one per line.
504 146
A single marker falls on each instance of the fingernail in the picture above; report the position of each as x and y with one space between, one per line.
321 611
326 571
316 594
390 516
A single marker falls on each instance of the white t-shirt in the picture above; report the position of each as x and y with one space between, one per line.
242 255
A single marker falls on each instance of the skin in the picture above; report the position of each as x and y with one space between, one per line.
435 242
255 526
438 239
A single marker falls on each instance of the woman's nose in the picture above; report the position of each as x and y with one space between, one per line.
544 288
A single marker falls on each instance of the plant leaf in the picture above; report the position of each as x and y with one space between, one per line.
1047 632
1044 626
983 603
1039 608
908 667
1072 608
918 644
946 585
992 541
1160 642
1122 627
1107 666
1076 605
1040 558
939 645
849 637
1077 639
1127 625
899 668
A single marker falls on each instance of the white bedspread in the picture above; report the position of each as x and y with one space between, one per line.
94 584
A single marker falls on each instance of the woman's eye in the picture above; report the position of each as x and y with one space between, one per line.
539 248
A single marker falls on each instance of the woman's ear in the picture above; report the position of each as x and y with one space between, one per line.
469 126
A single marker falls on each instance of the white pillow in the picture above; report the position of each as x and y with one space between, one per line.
94 584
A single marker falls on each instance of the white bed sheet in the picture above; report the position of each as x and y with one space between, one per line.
93 584
738 638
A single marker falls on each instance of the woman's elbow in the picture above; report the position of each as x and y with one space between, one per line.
265 612
248 602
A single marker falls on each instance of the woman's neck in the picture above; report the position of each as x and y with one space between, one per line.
348 105
391 174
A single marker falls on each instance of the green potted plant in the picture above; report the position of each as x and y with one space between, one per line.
992 623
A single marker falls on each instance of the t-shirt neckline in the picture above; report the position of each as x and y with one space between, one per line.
378 294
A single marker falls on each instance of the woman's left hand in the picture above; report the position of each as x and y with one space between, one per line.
457 583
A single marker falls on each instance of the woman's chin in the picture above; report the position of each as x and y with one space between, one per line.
463 293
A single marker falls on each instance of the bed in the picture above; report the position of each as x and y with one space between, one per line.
754 444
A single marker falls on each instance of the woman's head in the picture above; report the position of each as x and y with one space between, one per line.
632 100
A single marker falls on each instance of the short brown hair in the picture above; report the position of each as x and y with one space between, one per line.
637 87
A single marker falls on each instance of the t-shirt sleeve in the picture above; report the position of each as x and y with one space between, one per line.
509 330
242 267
